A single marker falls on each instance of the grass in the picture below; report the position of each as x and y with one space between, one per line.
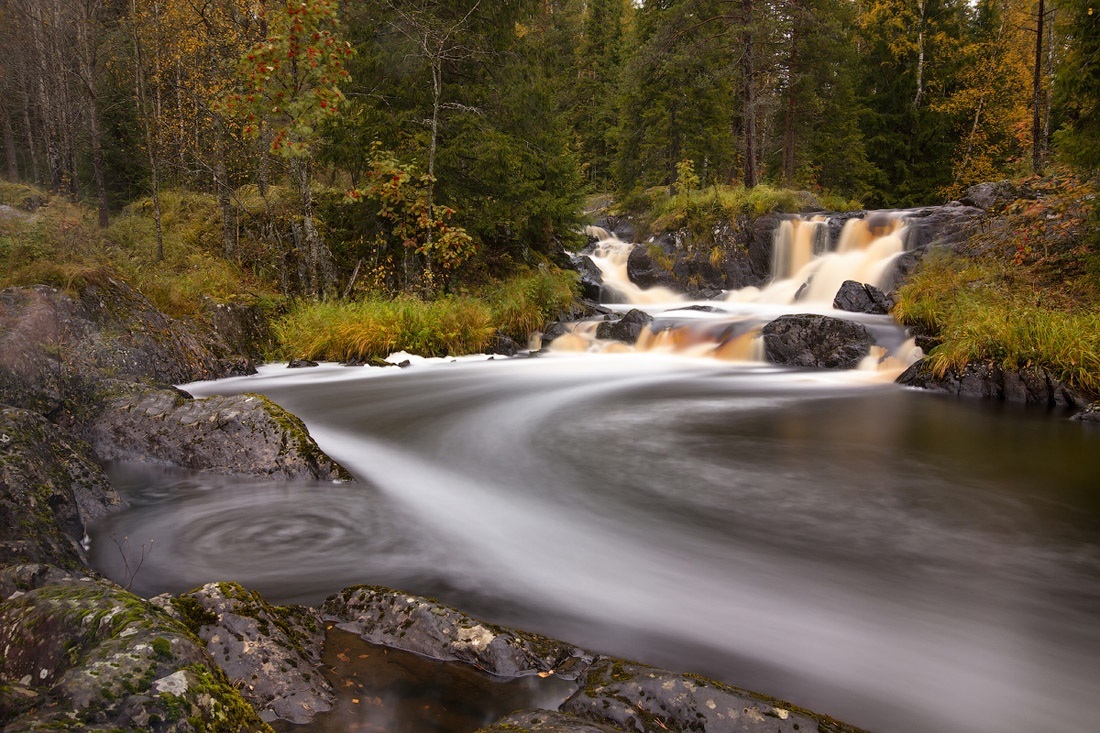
61 245
374 327
985 310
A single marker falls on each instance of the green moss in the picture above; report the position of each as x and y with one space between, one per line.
192 613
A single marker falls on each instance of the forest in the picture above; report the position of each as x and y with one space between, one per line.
383 146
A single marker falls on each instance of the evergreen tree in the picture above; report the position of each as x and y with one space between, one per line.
1079 84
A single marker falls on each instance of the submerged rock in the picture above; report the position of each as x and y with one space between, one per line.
1031 385
82 654
272 654
50 488
635 697
243 434
811 340
424 626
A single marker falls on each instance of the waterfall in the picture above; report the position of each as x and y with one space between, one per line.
807 269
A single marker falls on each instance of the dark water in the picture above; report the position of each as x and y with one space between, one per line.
895 559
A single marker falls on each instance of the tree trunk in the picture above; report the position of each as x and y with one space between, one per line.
229 214
9 146
1037 98
920 59
748 94
320 269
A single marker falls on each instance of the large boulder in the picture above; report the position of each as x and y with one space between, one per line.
635 697
54 347
272 654
857 297
1030 385
591 277
424 626
811 340
50 488
82 654
242 434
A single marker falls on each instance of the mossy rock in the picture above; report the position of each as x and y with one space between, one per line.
83 654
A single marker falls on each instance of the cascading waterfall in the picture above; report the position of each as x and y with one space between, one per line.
806 274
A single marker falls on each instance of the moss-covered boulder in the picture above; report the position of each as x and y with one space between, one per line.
50 488
424 626
243 434
82 654
635 697
272 654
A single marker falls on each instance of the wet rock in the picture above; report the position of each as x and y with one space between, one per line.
50 488
272 654
548 721
591 277
391 618
1030 385
1089 415
945 226
634 697
244 434
811 340
300 364
856 297
83 654
650 265
626 329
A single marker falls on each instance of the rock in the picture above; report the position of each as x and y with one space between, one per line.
591 277
626 329
646 271
634 697
300 364
503 346
1090 415
986 380
391 618
53 348
994 195
244 434
272 654
810 340
856 297
537 721
940 226
243 329
82 654
50 488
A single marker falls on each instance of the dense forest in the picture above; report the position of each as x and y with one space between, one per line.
418 138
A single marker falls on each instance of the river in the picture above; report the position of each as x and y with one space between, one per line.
899 560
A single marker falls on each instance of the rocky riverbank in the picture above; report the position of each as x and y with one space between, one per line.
87 378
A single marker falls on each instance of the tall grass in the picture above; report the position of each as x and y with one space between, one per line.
373 329
982 313
525 303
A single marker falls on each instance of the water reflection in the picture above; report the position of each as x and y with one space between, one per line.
904 562
381 690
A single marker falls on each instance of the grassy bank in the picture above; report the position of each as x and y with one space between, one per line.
373 328
1024 292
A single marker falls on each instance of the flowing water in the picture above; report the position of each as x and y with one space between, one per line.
899 560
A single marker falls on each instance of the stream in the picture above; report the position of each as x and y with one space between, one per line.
900 560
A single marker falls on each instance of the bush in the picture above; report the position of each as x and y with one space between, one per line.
525 303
